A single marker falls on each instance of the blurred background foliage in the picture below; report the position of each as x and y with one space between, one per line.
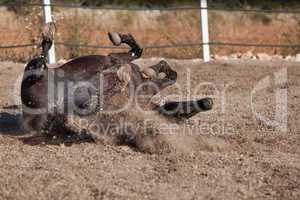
265 4
16 5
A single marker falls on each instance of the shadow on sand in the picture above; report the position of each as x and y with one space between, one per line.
11 125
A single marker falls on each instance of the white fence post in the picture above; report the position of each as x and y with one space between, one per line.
204 29
48 18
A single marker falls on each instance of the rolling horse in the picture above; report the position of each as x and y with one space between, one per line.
100 90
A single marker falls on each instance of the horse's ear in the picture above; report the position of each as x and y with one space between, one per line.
48 31
47 37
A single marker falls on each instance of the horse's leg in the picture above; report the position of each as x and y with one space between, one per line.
135 51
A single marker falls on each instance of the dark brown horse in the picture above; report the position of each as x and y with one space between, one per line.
97 88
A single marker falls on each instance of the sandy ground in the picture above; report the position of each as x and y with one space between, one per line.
236 156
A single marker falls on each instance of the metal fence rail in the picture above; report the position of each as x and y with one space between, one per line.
209 8
159 46
205 43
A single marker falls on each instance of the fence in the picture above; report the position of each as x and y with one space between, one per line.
203 9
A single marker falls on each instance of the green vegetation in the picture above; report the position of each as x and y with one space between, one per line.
263 17
265 4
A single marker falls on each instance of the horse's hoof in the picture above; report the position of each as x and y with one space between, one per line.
115 38
206 104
